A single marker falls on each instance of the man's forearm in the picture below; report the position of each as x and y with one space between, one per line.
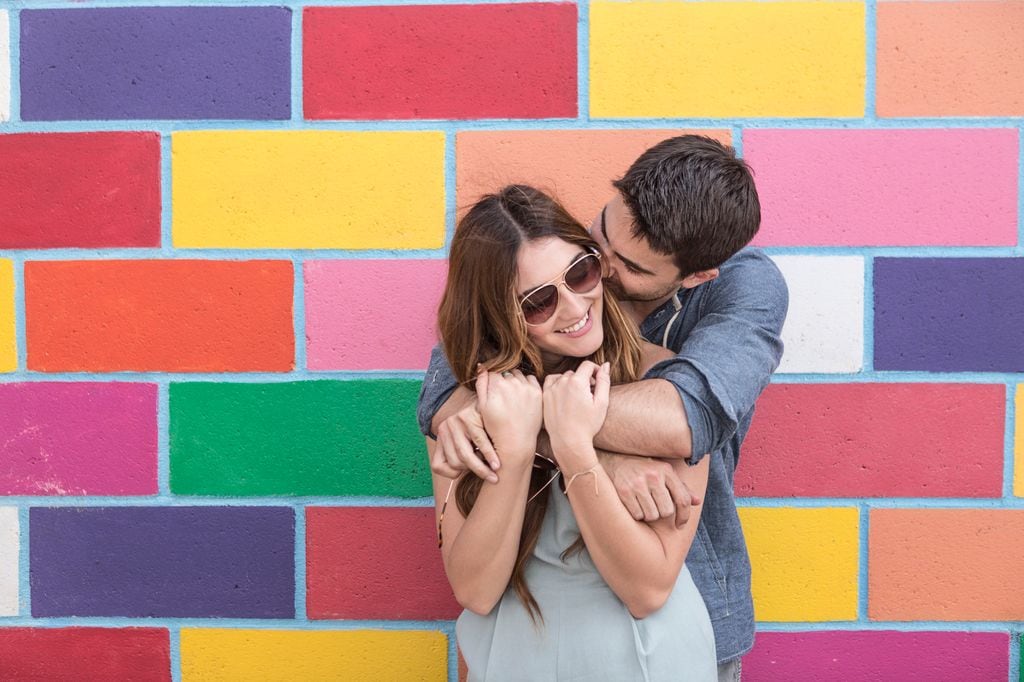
646 418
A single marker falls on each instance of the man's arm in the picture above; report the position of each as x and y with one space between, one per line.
646 418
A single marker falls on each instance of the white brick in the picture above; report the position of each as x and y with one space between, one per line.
824 330
5 68
8 561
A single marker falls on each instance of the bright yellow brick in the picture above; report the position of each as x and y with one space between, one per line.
308 189
805 562
727 59
8 348
1018 465
312 655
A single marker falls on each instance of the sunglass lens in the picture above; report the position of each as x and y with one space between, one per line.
539 306
584 276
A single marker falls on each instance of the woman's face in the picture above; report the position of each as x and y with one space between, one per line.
575 328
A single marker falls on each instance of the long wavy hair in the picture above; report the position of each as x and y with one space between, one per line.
480 322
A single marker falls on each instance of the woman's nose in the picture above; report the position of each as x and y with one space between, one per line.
573 304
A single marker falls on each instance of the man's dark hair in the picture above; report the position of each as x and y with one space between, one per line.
692 198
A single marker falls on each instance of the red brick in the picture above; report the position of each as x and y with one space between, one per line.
53 654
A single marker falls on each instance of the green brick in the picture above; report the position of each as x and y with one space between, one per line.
297 438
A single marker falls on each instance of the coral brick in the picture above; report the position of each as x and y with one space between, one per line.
885 187
137 654
171 315
576 166
156 63
222 655
308 189
192 562
1018 467
945 564
8 328
9 543
949 314
300 438
375 563
78 439
824 330
875 440
5 67
452 61
878 655
79 190
950 58
804 562
372 314
727 59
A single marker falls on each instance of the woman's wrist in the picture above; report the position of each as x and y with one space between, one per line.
573 457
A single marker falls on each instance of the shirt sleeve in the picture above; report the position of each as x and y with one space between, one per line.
438 385
728 358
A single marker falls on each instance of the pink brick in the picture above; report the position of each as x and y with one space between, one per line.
372 314
78 439
875 440
878 655
885 187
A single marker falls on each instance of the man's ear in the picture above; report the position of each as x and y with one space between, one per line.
698 278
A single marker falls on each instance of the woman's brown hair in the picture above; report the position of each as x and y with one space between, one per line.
480 322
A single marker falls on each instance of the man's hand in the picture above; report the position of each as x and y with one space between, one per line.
649 488
463 443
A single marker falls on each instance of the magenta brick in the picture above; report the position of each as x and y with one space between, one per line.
90 438
878 655
885 187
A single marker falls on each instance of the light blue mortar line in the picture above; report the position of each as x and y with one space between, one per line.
451 207
1015 645
583 60
228 623
862 567
296 73
453 652
869 314
166 189
1007 251
300 562
14 22
1008 464
736 134
20 336
880 502
871 52
82 4
175 635
24 584
900 378
1020 190
163 426
899 626
299 314
178 500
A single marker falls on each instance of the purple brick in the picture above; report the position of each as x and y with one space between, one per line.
156 63
949 314
185 562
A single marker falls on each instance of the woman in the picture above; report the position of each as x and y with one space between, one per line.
558 580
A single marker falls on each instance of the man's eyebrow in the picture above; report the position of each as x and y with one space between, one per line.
629 263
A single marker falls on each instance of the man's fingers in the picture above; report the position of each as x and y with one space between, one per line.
666 507
682 499
470 460
439 465
649 507
482 441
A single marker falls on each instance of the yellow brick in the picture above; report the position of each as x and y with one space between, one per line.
308 189
312 655
805 562
727 59
1018 464
8 348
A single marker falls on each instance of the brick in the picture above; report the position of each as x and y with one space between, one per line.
804 562
187 562
575 166
308 189
156 63
159 315
452 61
365 563
921 187
9 553
79 190
372 314
8 327
878 655
298 438
1018 467
950 58
875 440
945 564
727 59
85 653
226 655
949 314
78 438
824 330
5 67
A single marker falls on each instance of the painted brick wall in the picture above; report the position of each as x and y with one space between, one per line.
222 241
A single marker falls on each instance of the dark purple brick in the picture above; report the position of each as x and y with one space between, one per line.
949 314
156 63
163 562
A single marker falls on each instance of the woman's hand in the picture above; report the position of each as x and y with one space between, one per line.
575 405
512 409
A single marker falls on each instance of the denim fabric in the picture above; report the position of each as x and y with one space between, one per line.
726 334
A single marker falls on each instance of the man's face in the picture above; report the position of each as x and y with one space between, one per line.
637 273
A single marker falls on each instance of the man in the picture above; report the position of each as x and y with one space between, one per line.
674 236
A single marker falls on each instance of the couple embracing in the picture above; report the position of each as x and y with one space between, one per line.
584 414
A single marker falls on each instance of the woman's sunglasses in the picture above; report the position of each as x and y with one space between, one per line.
582 275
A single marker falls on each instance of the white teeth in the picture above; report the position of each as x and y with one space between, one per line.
576 327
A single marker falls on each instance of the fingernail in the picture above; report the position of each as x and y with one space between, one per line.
495 465
492 479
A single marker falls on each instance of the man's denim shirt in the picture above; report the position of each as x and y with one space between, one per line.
727 339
